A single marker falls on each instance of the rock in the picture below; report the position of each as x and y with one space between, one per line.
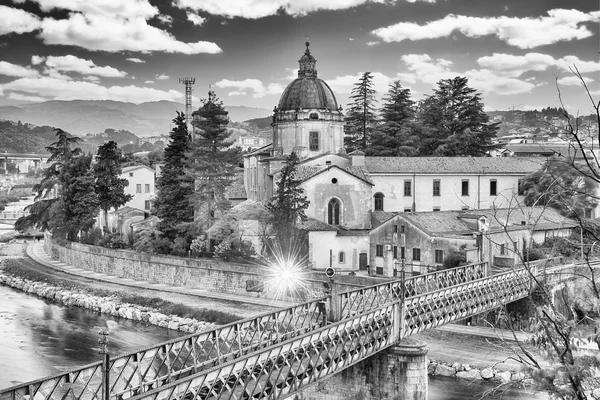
487 373
460 368
431 368
596 393
517 376
470 375
444 370
503 377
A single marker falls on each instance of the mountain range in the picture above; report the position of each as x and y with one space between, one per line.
79 117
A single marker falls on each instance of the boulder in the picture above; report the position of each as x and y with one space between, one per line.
472 374
503 377
487 373
444 370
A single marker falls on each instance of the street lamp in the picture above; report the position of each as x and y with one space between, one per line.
396 267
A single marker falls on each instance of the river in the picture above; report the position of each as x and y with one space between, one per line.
39 338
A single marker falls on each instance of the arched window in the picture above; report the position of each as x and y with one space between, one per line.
333 212
378 201
313 116
342 257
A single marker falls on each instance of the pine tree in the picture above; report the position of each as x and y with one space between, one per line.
394 136
175 187
109 187
211 164
361 117
288 206
39 212
457 124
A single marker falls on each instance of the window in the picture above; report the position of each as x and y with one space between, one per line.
436 208
502 249
465 187
439 256
313 141
131 174
416 254
402 252
147 205
313 116
333 212
587 213
342 257
379 250
408 210
520 190
395 228
378 201
407 188
436 187
493 187
147 188
138 188
395 251
464 208
402 229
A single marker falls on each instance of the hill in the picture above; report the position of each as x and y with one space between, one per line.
25 138
80 117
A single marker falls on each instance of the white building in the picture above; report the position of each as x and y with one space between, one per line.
141 186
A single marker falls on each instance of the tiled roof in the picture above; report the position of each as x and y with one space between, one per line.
461 222
249 210
237 190
379 217
304 172
134 167
260 150
126 210
452 165
313 225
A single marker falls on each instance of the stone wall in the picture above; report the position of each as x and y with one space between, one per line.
204 274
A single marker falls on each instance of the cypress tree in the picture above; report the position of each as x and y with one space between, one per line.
172 204
361 117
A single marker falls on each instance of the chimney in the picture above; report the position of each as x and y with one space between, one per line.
357 158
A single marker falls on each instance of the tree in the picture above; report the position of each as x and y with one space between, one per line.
361 117
394 136
109 187
560 184
175 187
288 206
457 124
46 190
78 205
211 164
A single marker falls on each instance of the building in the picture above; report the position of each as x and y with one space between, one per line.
420 242
141 186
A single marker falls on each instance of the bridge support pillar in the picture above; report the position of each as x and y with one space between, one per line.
398 373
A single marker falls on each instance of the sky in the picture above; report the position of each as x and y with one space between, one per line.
513 52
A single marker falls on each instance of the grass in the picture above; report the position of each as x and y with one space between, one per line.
21 267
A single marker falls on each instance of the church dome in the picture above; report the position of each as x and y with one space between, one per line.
307 91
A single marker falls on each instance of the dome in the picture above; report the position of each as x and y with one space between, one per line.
307 91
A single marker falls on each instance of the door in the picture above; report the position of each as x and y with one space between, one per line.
362 261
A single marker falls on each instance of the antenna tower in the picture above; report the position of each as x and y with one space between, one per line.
188 82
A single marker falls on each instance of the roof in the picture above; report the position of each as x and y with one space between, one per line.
314 225
126 210
452 165
248 210
134 167
304 172
260 150
443 223
307 91
237 190
379 217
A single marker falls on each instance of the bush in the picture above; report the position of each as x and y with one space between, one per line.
533 254
92 236
454 259
111 241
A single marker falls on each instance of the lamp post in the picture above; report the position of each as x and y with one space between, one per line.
396 267
105 365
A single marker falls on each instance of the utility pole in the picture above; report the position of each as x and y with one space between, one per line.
188 82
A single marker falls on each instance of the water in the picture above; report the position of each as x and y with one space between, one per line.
39 338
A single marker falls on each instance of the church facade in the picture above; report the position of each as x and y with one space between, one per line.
351 194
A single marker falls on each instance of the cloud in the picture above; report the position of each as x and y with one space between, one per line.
23 97
162 77
124 9
344 84
57 89
375 43
257 88
148 81
425 69
514 66
525 33
81 66
101 33
91 78
9 69
573 80
37 60
165 19
195 18
13 20
55 74
254 9
135 60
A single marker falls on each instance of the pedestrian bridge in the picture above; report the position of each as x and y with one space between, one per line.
275 355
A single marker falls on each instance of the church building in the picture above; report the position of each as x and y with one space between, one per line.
351 194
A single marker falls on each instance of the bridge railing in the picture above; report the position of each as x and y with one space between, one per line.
363 299
145 369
